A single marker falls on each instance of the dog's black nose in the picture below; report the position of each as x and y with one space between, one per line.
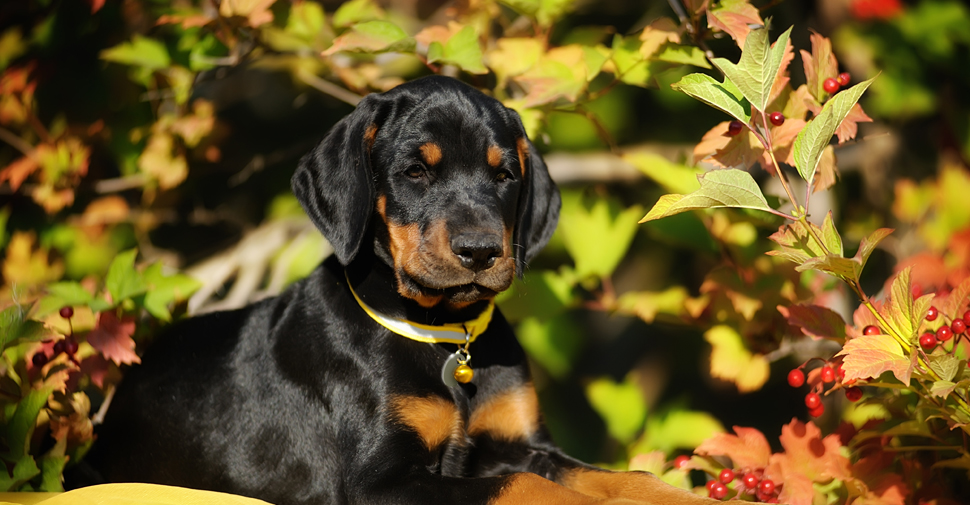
477 251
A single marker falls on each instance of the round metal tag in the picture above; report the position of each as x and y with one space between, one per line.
448 370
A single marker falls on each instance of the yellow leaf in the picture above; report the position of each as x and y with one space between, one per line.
256 11
157 160
657 34
24 266
732 362
513 57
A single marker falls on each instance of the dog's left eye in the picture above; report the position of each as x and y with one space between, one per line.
415 171
503 176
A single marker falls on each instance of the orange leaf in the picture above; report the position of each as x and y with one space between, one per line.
112 338
819 65
871 355
734 18
18 171
748 449
807 458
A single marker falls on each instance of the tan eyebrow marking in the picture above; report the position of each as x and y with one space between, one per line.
431 153
523 148
494 156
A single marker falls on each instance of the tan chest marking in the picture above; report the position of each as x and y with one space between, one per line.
434 419
510 416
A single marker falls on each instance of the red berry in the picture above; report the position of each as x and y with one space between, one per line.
718 491
817 411
750 480
843 78
766 487
776 118
830 85
944 333
828 374
70 346
871 330
734 127
67 312
59 347
39 359
927 341
854 394
839 371
711 483
932 314
726 475
681 461
796 378
958 326
812 400
966 316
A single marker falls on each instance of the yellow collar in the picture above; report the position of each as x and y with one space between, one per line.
451 333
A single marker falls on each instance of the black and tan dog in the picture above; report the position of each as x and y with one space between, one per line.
433 199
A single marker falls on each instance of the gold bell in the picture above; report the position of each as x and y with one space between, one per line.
464 374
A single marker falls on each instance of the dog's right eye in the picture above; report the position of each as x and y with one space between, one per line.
415 171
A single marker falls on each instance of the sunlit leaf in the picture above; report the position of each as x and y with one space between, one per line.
647 304
112 338
719 188
16 328
141 51
372 37
257 12
166 289
733 362
462 50
704 88
621 406
513 56
553 343
28 267
869 244
815 137
123 281
734 17
24 470
356 11
673 177
755 72
588 223
748 448
20 426
685 55
870 355
819 65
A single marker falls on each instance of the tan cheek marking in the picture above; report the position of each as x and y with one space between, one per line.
494 156
629 485
370 135
511 416
431 153
434 419
522 146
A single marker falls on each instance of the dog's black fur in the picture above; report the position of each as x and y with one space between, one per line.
433 200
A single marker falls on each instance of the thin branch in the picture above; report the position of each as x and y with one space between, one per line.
15 141
329 88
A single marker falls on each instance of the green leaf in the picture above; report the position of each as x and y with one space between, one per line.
462 50
830 236
16 328
356 11
718 95
685 55
542 294
733 362
24 470
163 290
21 424
647 304
719 188
372 37
52 468
945 365
149 54
621 406
868 245
903 313
553 343
816 136
589 224
942 388
63 294
680 429
123 281
844 268
755 72
671 176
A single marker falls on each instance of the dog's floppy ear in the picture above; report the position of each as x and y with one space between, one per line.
539 204
334 182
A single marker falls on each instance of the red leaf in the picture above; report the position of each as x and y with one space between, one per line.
112 337
815 321
748 449
807 458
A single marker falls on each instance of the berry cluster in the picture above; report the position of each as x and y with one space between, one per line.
67 345
749 482
735 127
830 376
831 85
957 328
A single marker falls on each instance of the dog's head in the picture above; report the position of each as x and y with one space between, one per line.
458 199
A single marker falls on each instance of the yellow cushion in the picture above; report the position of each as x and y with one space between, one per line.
128 494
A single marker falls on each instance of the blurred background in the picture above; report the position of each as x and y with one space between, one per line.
173 127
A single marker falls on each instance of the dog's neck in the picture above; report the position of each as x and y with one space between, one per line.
375 283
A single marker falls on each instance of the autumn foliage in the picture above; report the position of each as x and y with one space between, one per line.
736 246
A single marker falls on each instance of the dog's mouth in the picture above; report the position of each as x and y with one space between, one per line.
429 292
